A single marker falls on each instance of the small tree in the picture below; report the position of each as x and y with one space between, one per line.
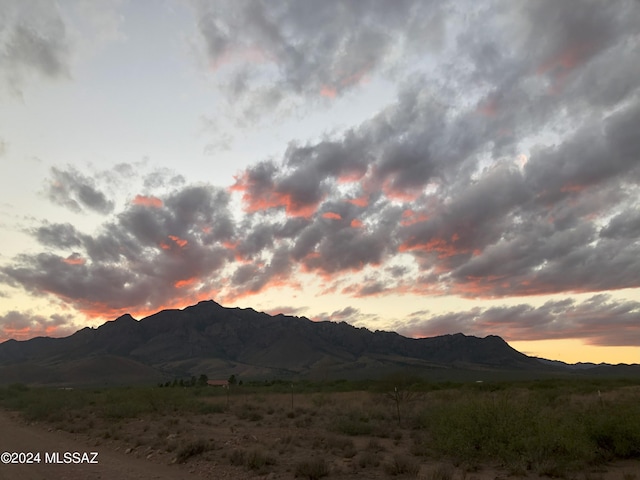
401 395
202 380
232 380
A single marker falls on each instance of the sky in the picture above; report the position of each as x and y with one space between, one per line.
427 167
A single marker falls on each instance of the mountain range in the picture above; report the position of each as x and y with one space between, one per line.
210 339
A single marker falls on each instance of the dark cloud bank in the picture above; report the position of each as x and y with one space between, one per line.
600 320
510 168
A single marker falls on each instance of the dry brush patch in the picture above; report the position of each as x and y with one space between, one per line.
549 428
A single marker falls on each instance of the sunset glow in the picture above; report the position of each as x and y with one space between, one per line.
409 166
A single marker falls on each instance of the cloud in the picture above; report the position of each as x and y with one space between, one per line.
286 310
77 192
97 190
472 227
143 259
25 325
33 43
349 315
599 320
272 57
508 164
58 235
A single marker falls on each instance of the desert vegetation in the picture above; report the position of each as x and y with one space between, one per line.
394 428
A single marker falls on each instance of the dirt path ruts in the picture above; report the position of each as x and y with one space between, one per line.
17 436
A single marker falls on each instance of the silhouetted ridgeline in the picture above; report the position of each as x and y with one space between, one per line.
217 341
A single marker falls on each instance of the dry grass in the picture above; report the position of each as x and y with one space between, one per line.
554 430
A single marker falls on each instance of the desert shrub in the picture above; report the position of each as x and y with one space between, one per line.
352 423
312 469
536 429
257 460
319 400
248 411
191 449
237 458
336 445
368 459
207 407
441 472
402 465
253 460
615 431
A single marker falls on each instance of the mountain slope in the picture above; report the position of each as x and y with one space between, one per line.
211 339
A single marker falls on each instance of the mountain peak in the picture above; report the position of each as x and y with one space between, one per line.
219 341
126 318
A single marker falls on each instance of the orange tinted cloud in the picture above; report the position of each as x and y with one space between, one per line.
407 195
239 55
266 200
179 241
358 77
274 282
567 60
352 175
572 188
439 245
359 201
410 217
488 107
328 92
332 215
355 223
182 299
185 283
25 333
562 64
148 201
74 259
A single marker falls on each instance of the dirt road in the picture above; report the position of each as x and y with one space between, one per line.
17 436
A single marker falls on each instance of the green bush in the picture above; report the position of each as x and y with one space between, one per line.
615 431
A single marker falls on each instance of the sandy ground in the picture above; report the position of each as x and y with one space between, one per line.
16 436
